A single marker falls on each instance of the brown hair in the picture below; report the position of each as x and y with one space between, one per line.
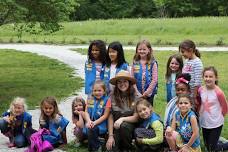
121 97
143 101
168 70
211 68
150 56
187 45
101 83
76 100
185 96
52 101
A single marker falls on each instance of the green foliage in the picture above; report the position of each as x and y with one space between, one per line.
40 13
106 9
33 77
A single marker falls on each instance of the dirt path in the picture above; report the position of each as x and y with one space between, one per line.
63 54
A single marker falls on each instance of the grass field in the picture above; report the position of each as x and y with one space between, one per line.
33 77
217 59
203 30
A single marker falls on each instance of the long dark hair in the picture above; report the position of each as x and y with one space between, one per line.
121 97
187 45
117 46
101 46
168 70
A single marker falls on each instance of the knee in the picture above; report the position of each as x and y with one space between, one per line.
20 141
3 125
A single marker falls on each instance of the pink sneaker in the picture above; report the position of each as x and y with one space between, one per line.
10 145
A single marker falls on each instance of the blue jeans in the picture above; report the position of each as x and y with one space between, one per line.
3 126
93 140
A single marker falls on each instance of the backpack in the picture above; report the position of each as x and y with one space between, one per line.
37 144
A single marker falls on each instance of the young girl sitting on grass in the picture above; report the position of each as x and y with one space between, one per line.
16 123
151 122
183 135
78 112
52 120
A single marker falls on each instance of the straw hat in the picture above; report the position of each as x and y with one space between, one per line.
122 75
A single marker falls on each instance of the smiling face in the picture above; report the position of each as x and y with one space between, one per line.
95 52
182 88
144 112
18 109
209 79
143 50
48 109
113 55
98 91
78 106
184 105
174 65
123 84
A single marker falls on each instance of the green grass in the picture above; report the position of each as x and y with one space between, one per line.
165 31
33 77
217 59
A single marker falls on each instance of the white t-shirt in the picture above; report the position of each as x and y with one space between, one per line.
210 110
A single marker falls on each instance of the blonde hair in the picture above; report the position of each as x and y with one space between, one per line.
52 101
18 101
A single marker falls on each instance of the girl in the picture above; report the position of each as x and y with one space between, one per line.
94 66
213 109
78 114
122 98
16 123
183 135
145 70
173 70
114 63
97 111
150 121
52 120
182 87
193 65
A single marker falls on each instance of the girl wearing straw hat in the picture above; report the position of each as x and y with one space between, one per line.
122 98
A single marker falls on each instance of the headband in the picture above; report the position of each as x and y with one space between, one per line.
181 80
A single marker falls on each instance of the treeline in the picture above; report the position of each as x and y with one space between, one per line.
104 9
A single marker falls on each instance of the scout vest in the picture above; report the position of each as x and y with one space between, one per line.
90 75
138 76
96 109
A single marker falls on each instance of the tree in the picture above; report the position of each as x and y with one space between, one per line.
44 14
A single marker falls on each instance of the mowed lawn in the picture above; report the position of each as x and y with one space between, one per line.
217 59
159 31
33 77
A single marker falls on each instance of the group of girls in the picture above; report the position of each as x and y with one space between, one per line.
191 105
120 100
16 124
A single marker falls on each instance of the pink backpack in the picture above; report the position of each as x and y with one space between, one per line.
37 145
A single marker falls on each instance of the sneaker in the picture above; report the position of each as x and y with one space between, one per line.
77 143
10 145
223 140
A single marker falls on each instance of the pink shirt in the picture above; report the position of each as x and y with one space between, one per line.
213 107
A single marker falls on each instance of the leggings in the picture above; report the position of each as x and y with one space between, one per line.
211 137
